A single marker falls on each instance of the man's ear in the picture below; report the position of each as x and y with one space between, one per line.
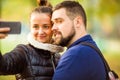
78 21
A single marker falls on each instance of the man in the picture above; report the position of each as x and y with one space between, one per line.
79 62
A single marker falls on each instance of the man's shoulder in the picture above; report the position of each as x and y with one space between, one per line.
81 49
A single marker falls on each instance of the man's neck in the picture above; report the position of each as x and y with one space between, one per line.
75 38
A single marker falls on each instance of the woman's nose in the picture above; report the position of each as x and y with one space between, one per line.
40 31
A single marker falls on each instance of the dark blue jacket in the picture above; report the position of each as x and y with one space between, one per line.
80 62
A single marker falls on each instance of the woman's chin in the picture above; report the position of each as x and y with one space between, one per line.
42 41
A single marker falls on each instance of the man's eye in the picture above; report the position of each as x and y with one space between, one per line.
59 21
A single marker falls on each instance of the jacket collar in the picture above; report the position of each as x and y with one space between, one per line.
45 46
86 38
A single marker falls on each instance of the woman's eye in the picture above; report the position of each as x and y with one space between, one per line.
35 26
45 27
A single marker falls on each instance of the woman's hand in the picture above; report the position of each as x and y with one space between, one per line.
3 32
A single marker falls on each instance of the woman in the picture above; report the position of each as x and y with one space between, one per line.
38 59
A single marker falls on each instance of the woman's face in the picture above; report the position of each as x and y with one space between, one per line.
40 24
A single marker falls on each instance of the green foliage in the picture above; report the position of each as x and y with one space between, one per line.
113 60
54 2
16 9
112 7
11 77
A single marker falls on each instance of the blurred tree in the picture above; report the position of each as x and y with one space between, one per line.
0 7
110 14
112 7
17 10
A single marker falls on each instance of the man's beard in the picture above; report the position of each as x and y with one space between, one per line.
65 41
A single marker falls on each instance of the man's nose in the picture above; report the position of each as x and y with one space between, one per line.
54 27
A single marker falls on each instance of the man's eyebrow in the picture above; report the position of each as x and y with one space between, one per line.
56 19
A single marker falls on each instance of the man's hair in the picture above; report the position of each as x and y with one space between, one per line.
73 9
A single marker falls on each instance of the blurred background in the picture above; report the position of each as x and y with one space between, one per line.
103 24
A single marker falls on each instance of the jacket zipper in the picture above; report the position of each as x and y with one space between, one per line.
52 62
